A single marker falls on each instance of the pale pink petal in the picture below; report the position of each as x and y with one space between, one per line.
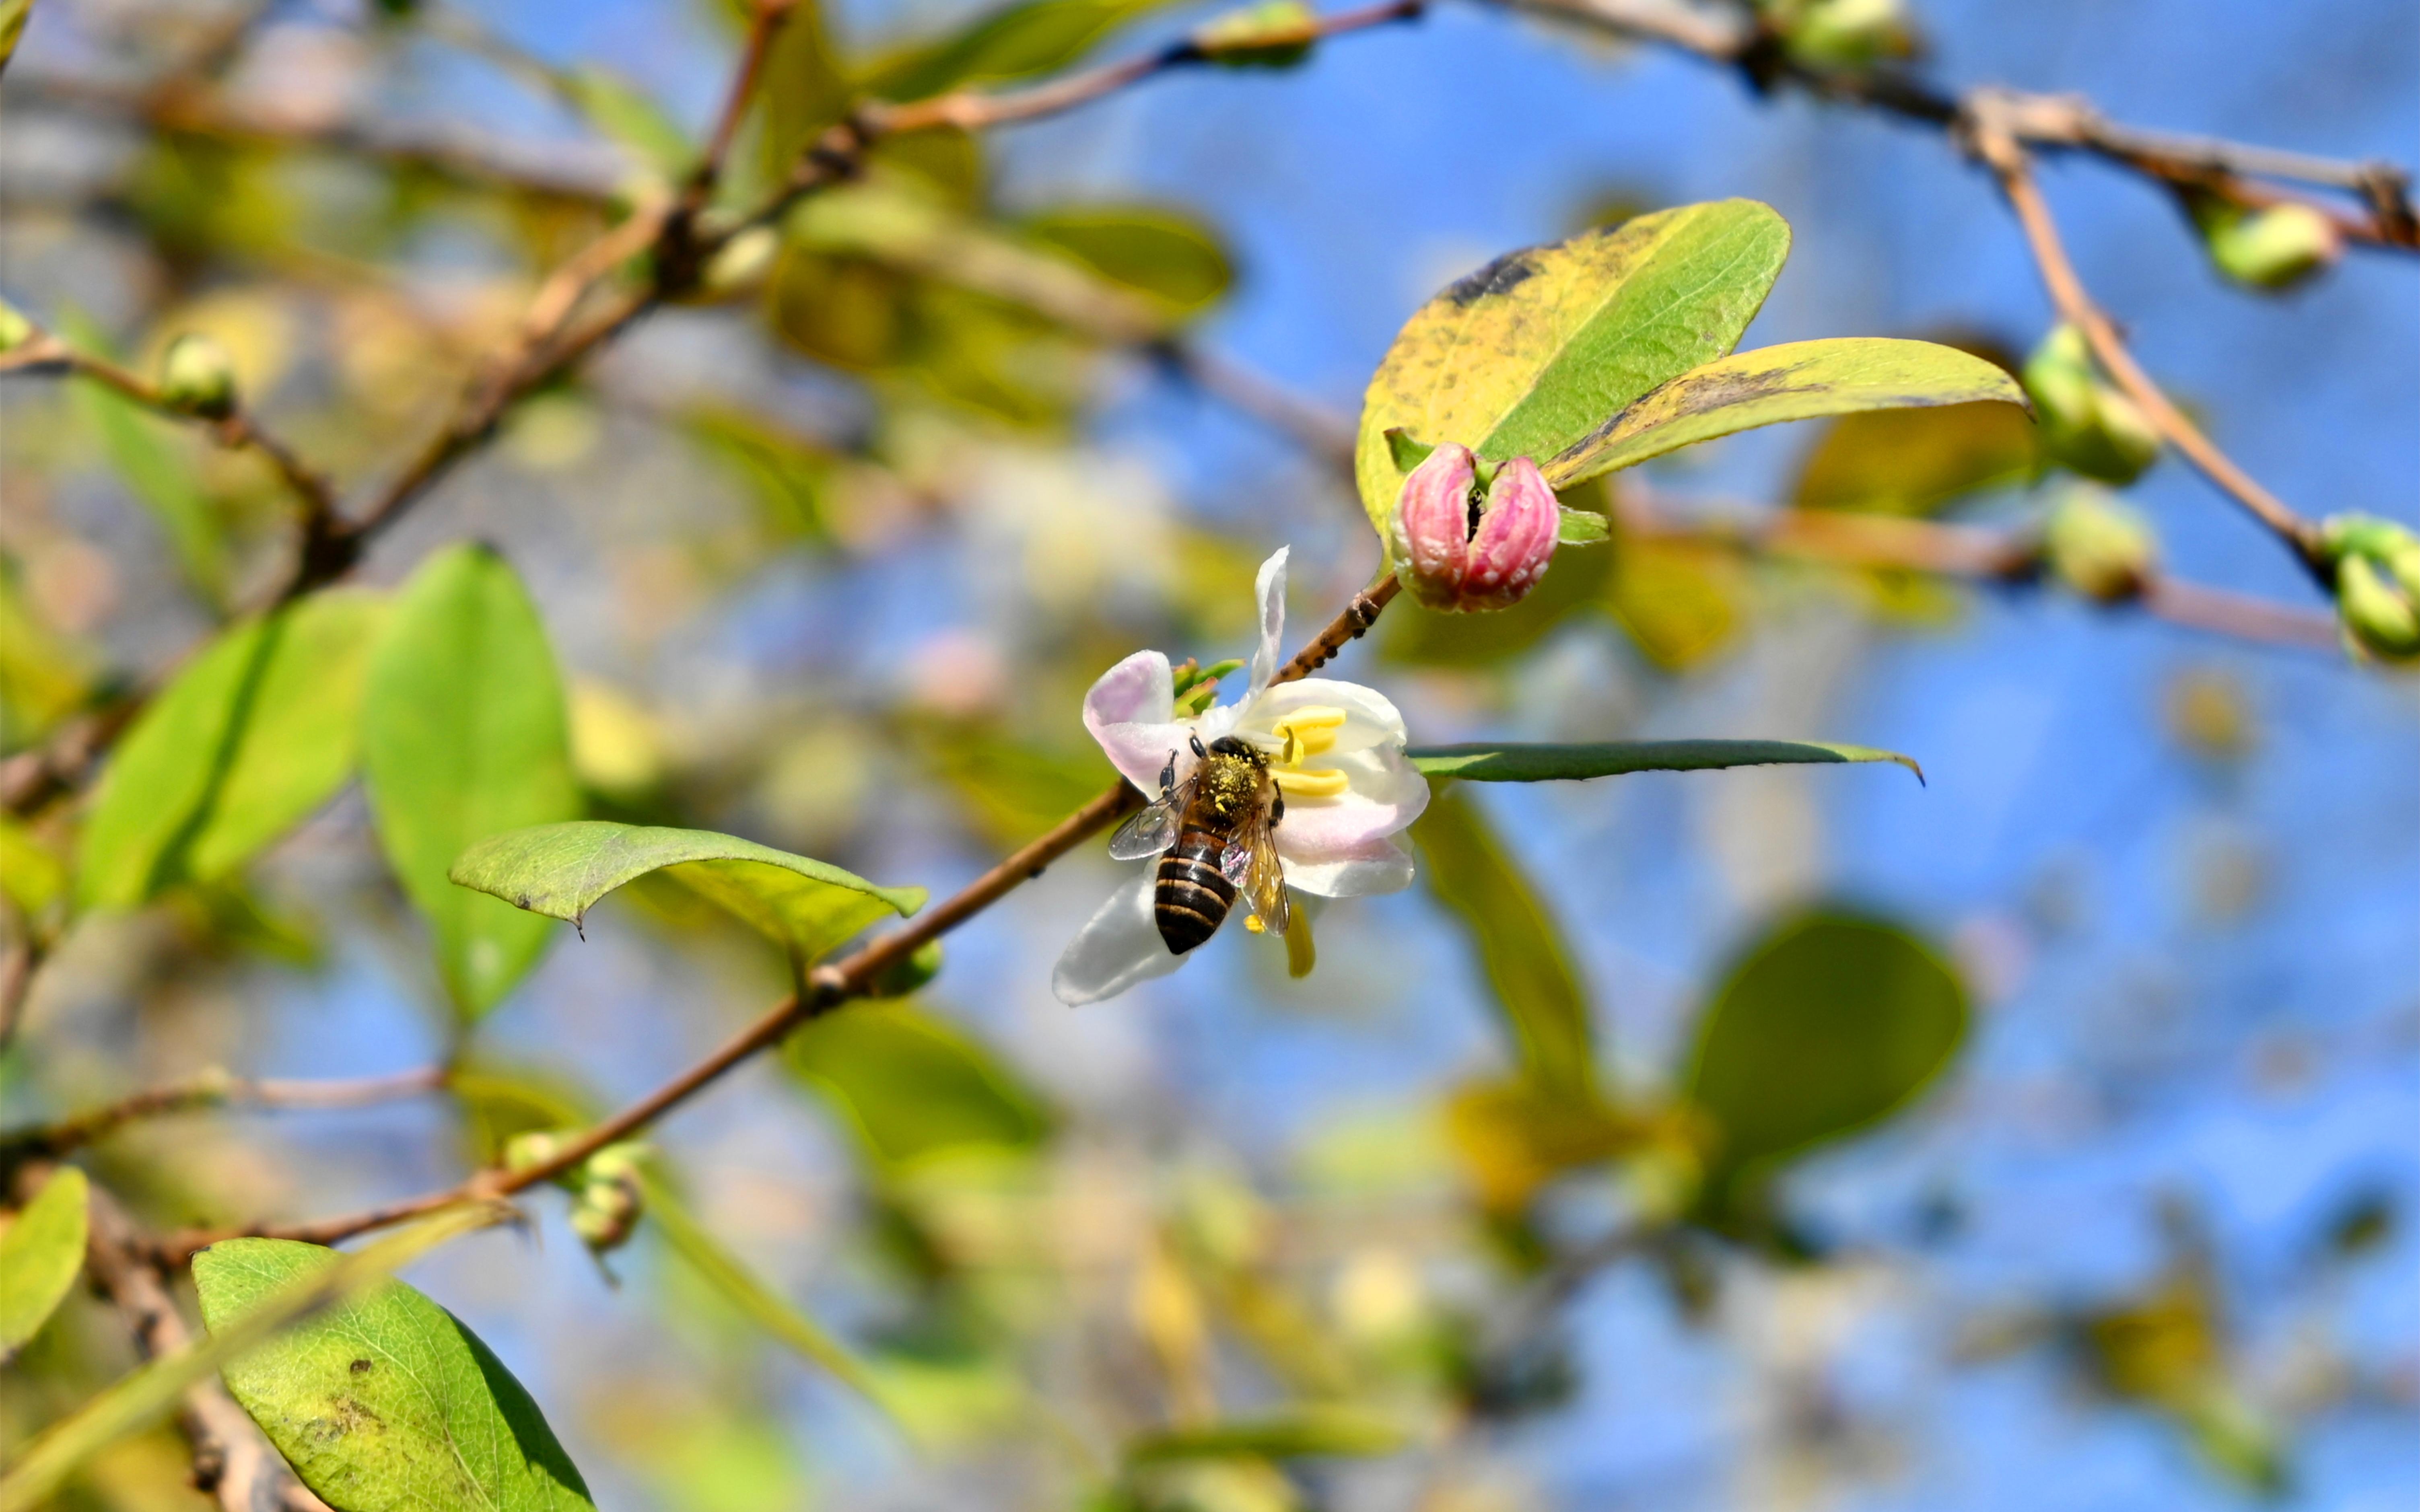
1381 866
1269 589
1369 718
1386 795
1131 711
1118 947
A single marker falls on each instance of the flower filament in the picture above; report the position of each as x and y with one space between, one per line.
1308 732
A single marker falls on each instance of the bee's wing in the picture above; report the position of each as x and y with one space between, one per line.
1251 862
1153 830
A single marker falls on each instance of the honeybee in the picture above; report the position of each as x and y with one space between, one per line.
1217 828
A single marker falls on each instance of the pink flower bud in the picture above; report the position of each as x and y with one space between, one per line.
1457 553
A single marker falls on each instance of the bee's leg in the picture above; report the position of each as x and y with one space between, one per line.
1199 754
1168 776
1276 807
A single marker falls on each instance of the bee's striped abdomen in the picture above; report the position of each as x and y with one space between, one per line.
1193 895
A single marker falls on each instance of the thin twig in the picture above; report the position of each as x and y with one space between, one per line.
2009 163
856 975
213 1089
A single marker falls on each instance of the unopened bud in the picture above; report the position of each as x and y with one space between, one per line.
1849 34
2099 547
15 330
2087 425
2378 584
742 262
610 1197
1458 550
1273 35
2274 248
196 377
901 977
524 1152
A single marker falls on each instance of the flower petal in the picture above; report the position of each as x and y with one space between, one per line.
1386 795
1269 588
1118 947
1382 866
1131 711
1369 718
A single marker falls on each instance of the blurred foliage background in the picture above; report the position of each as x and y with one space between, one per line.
2043 1137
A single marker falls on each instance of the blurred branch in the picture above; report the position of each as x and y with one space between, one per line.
2204 165
45 353
859 974
1989 127
213 1089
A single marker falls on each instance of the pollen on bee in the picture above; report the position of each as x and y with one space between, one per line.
1252 923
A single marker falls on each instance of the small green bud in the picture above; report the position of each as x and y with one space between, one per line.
196 377
1197 686
2087 425
524 1152
2274 248
1847 33
2378 583
15 330
906 977
742 261
2099 547
1276 34
606 1211
615 1162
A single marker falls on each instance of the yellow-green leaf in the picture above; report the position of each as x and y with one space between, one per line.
252 736
1015 43
1529 967
1913 461
1300 1433
464 735
1798 380
12 26
804 906
1156 253
42 1253
631 118
912 1086
1536 351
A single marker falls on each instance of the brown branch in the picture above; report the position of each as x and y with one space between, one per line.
859 974
2007 161
214 1089
2053 122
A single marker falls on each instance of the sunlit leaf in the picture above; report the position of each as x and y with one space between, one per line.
1532 354
12 26
804 906
913 1087
43 673
253 735
42 1253
1829 1022
802 87
1499 762
1529 967
1303 1432
31 876
1798 380
1015 43
464 735
631 118
1514 1136
384 1400
148 1393
1156 252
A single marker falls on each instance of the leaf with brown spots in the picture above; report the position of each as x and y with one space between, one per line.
1533 353
1798 380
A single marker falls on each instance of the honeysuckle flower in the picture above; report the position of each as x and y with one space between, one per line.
1459 553
1334 750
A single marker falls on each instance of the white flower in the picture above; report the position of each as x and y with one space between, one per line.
1348 789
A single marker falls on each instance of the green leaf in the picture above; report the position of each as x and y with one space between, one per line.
1155 251
156 465
912 1086
1533 353
790 477
803 89
43 673
463 736
1798 380
1682 603
41 1252
804 906
728 1275
1495 761
12 26
1527 962
1016 42
31 876
1582 527
385 1400
253 735
631 118
146 1392
1913 461
1828 1024
1303 1431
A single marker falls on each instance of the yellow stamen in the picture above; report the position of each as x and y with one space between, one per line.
1326 783
1309 731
